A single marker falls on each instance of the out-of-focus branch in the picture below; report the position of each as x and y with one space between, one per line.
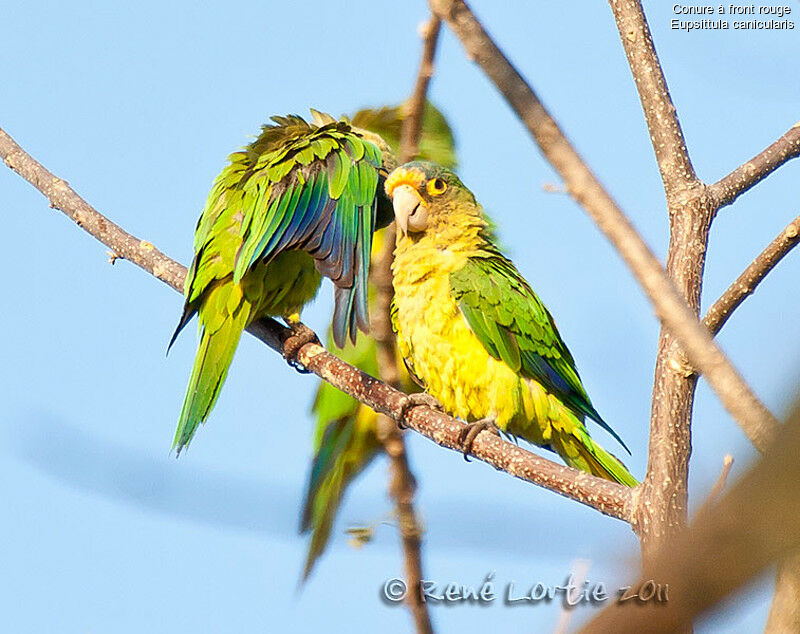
755 419
719 485
744 177
784 613
402 486
415 106
728 543
751 277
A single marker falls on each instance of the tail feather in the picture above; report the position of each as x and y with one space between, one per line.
578 450
214 356
346 448
186 316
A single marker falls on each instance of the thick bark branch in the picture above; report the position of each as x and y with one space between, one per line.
744 177
740 401
692 208
607 497
751 277
662 508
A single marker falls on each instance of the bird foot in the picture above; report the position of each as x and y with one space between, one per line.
470 432
301 335
410 401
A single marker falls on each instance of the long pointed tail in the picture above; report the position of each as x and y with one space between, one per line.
347 446
578 450
220 336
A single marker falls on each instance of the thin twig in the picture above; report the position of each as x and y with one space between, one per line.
402 489
719 485
608 497
671 308
580 567
63 197
415 106
751 277
402 485
744 177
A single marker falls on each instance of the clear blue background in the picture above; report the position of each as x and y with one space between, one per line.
137 105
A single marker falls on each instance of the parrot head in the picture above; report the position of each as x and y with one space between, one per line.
427 196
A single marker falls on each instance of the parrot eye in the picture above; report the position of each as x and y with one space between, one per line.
436 186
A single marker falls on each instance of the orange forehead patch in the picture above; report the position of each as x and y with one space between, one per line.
403 176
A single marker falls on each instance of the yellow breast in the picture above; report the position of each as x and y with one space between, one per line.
438 344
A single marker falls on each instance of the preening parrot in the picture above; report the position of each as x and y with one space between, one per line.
474 333
345 440
301 200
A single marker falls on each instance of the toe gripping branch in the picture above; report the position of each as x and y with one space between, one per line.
301 335
410 401
470 432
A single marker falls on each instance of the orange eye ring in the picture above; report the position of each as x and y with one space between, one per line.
436 186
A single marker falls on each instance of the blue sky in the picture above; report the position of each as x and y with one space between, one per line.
137 106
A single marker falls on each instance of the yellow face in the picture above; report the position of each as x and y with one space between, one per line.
408 188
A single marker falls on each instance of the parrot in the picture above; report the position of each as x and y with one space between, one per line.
302 200
345 439
473 332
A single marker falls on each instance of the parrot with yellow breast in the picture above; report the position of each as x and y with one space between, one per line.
474 333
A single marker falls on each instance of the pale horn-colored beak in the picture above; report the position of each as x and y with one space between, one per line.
410 210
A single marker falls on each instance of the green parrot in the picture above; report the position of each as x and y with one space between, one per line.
301 200
474 333
345 440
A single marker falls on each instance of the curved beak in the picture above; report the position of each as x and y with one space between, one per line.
405 200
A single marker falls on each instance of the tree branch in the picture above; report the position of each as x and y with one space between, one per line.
719 485
61 196
730 541
402 485
415 106
671 308
607 497
751 277
746 176
659 111
665 490
784 614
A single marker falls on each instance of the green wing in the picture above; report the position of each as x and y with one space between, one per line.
514 326
297 186
316 192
